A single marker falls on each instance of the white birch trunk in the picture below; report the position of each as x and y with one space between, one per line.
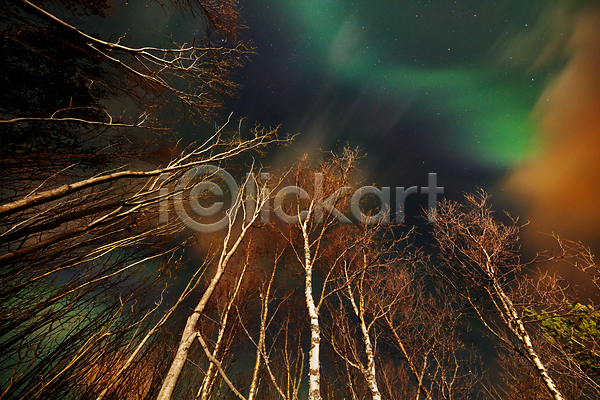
314 376
208 381
189 332
314 390
369 372
187 338
261 338
525 339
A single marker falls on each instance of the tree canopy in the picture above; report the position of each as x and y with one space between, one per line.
107 293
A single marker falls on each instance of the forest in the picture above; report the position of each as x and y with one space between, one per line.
110 291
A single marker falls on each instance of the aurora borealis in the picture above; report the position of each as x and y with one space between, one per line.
502 96
419 62
484 93
211 197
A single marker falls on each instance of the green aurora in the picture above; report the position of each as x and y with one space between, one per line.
440 56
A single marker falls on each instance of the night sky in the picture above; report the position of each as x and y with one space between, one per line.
499 95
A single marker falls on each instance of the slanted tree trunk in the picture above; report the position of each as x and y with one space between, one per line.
480 253
369 372
518 328
190 332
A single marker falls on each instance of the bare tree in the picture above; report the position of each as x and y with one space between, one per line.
86 249
87 239
307 236
202 67
375 262
231 242
480 259
385 307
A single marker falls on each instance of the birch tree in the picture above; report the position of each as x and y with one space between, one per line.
480 257
317 222
561 319
86 250
308 233
230 245
378 257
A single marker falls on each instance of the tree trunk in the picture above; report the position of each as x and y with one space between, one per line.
187 338
369 372
525 339
314 377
